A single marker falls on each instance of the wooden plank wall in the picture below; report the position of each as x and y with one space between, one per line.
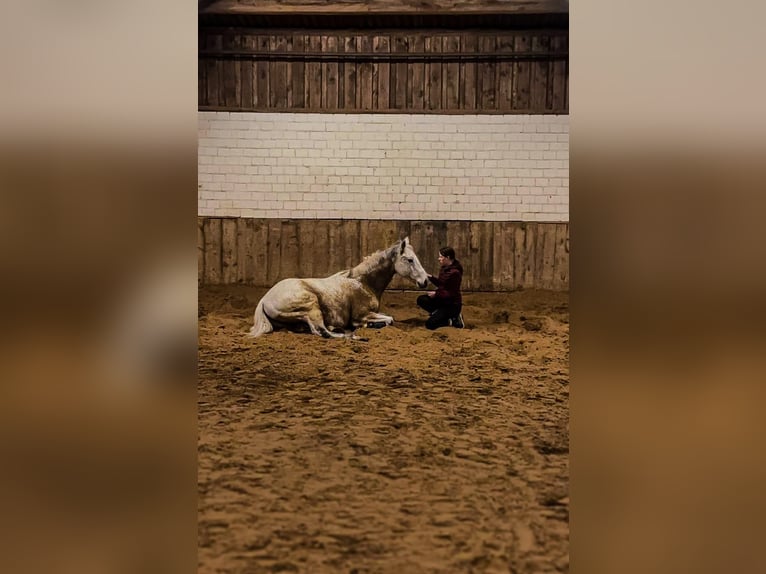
496 255
457 72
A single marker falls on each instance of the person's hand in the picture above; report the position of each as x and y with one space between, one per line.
432 293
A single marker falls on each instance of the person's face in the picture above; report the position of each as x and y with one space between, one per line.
444 261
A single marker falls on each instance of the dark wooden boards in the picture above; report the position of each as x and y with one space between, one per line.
496 255
368 71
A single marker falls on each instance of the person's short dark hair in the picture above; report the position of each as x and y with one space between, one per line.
448 252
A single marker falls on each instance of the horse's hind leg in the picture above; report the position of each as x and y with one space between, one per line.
315 321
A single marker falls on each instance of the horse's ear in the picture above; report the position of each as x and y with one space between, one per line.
404 244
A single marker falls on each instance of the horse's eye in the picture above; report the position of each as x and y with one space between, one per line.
409 259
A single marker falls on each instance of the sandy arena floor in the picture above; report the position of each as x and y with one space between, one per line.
416 451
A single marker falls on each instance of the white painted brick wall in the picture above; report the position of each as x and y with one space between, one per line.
384 166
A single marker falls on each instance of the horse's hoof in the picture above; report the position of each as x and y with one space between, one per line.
376 324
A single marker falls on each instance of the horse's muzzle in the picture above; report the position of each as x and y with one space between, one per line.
423 283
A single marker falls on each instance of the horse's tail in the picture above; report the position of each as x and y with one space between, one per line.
261 323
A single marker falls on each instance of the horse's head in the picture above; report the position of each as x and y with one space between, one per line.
408 265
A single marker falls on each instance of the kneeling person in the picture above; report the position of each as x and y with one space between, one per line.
446 303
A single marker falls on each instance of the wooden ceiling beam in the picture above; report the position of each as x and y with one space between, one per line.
265 7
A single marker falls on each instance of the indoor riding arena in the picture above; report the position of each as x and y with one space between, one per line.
329 131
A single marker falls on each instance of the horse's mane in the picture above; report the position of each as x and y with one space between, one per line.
370 262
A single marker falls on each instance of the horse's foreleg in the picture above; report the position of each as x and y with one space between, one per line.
375 317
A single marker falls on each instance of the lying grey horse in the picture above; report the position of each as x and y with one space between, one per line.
344 301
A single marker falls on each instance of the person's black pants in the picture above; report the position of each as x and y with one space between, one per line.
440 312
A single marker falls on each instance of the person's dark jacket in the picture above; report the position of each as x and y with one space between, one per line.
448 283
